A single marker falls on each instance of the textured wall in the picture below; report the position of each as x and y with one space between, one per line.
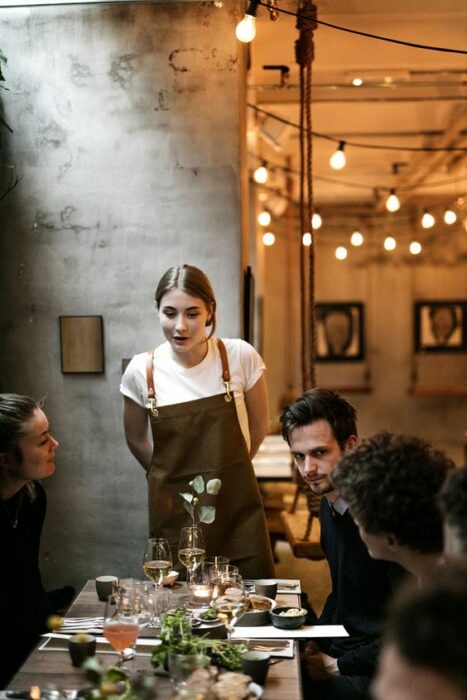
125 132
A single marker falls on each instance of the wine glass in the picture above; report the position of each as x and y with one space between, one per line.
191 549
157 560
230 603
122 620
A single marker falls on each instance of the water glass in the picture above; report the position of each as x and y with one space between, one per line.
181 666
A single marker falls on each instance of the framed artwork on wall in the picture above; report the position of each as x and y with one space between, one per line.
340 332
440 326
82 344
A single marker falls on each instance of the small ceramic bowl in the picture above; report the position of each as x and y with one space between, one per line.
287 622
170 579
255 617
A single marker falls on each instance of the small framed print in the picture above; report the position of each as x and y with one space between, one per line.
440 326
82 344
340 332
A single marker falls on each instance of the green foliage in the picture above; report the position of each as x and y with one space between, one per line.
115 683
198 513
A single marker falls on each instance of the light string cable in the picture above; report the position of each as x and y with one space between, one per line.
353 144
411 44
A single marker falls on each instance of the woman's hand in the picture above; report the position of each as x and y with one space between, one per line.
135 422
257 406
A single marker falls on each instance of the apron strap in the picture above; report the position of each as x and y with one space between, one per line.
150 381
225 370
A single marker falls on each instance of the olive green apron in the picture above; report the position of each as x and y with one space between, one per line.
204 437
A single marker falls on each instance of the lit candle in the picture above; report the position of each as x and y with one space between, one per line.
200 594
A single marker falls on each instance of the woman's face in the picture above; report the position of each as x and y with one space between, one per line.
183 319
37 447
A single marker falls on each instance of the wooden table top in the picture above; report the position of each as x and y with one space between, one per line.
47 668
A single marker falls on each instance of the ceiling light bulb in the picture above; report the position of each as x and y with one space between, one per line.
392 202
356 238
264 218
389 243
415 248
316 221
450 217
261 174
246 29
269 238
341 252
357 82
262 197
428 220
306 239
338 160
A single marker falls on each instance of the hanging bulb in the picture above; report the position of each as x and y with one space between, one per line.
428 220
341 252
415 248
264 218
306 239
269 238
246 28
389 243
392 202
356 238
261 174
450 217
316 221
338 160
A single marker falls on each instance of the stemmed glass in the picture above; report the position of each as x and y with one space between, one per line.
157 561
191 549
122 620
231 602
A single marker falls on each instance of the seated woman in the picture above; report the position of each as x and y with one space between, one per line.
27 454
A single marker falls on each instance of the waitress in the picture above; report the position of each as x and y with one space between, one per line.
206 401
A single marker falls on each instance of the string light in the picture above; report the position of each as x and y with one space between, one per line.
450 217
428 220
246 28
306 239
261 174
264 218
357 82
341 252
356 239
392 202
389 243
338 160
316 221
415 248
269 238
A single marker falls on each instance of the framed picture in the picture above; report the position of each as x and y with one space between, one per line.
340 332
82 344
440 326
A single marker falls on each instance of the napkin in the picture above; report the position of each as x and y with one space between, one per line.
305 632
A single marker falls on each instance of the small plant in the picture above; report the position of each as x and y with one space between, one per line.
191 500
106 684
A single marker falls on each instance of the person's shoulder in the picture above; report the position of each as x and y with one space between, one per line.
239 346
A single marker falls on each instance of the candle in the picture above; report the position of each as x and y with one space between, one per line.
200 594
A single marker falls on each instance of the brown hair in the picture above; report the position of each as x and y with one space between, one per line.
193 281
15 413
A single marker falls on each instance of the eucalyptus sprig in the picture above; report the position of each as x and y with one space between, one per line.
191 499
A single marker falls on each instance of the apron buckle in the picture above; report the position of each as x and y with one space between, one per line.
154 410
228 395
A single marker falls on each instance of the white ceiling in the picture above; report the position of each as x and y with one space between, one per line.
410 97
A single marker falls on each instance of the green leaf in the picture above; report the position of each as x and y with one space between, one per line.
198 484
207 514
93 670
115 674
213 486
187 497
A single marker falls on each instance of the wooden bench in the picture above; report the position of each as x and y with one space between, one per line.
303 539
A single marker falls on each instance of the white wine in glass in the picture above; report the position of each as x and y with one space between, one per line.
157 561
231 604
191 549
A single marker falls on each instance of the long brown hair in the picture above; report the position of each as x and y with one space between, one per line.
15 413
193 281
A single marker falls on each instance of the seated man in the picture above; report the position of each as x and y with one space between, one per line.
392 485
425 645
320 427
454 509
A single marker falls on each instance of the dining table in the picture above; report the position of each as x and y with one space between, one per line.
49 665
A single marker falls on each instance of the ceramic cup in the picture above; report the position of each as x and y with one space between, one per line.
266 587
256 665
104 586
81 646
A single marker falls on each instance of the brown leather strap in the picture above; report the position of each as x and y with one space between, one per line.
149 374
224 360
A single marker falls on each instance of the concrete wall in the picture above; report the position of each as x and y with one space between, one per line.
126 123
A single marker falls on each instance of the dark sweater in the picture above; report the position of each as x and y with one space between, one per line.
361 587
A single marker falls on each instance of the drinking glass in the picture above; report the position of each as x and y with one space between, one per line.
122 620
157 560
230 602
191 549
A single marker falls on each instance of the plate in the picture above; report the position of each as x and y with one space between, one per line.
254 618
197 616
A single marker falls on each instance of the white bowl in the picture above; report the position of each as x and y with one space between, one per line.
170 579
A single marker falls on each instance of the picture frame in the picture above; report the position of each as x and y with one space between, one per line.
440 326
82 344
340 332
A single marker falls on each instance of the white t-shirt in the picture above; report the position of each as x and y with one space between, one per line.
176 384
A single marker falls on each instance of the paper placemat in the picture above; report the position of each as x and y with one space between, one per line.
56 642
291 582
305 632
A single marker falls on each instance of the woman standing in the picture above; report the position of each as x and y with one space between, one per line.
206 400
27 454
